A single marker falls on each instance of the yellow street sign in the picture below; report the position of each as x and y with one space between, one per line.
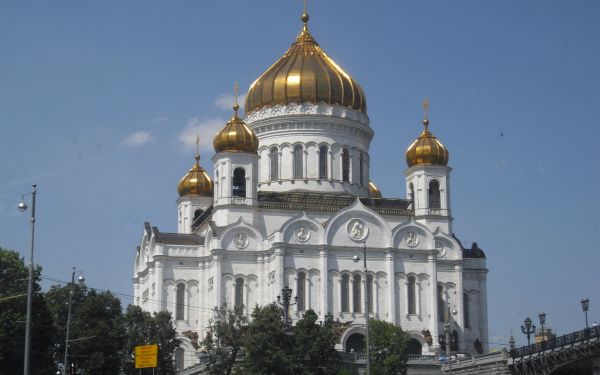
146 356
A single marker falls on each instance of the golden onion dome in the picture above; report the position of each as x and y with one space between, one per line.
196 182
305 74
374 191
236 136
426 150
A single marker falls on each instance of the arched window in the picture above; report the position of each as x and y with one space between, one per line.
345 165
274 164
361 168
323 153
441 303
345 293
197 213
180 303
239 182
301 291
178 359
466 310
370 292
356 293
412 303
434 194
239 292
298 162
411 195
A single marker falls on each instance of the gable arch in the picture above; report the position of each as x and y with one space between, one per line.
336 232
290 230
405 232
249 233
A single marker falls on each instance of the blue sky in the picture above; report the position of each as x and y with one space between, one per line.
100 101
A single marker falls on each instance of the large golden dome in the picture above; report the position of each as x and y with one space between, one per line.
305 74
236 136
426 150
196 182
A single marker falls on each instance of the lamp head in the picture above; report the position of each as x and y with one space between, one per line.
356 258
22 206
81 280
585 304
542 317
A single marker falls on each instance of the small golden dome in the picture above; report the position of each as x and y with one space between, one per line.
426 150
305 74
374 191
236 136
196 182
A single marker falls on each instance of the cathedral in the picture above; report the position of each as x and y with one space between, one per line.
288 203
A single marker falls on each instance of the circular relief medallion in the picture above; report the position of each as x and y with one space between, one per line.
302 234
441 249
411 239
240 240
357 230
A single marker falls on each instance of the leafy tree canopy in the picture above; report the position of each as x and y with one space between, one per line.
387 344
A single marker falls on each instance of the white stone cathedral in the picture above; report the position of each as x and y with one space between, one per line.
290 204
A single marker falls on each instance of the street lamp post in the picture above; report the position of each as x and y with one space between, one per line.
286 292
585 305
80 279
542 317
527 330
356 259
22 207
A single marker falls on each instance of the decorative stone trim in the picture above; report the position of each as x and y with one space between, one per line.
307 109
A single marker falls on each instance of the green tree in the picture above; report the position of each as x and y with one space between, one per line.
143 328
313 346
267 345
97 333
386 346
13 310
224 339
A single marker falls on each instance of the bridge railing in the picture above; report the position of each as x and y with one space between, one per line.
556 342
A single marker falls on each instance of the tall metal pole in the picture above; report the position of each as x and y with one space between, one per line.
367 309
69 323
30 286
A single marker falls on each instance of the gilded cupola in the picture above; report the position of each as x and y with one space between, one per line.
374 191
236 136
196 182
305 74
427 149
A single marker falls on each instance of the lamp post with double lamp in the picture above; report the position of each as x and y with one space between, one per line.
542 317
80 280
22 207
585 306
356 259
528 328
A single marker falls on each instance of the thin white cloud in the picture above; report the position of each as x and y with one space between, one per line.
138 138
225 101
204 128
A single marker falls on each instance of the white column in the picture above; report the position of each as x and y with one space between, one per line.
330 162
279 273
375 292
246 293
404 297
217 280
418 297
261 283
351 294
305 162
391 301
158 285
433 308
459 321
483 309
324 283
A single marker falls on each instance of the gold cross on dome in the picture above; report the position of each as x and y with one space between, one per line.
235 92
197 144
426 107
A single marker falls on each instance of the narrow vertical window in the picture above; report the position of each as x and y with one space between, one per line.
361 168
411 195
274 164
239 182
356 293
441 304
298 162
178 359
370 292
434 194
345 293
239 292
323 154
180 303
412 305
301 291
466 310
345 165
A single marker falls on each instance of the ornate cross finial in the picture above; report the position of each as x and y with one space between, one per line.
305 17
197 144
426 112
235 98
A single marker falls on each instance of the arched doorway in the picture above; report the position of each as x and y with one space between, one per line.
355 343
413 347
